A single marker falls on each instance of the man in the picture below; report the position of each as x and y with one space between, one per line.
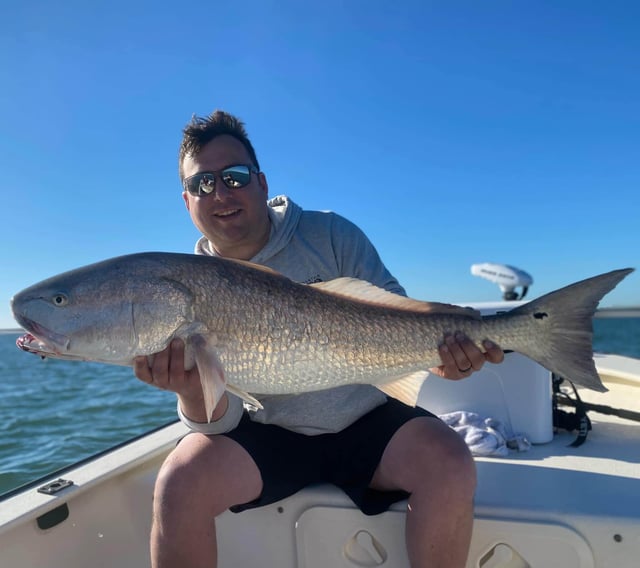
376 449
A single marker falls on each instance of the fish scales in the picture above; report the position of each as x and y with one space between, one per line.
296 333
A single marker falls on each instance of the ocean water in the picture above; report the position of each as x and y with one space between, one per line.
56 413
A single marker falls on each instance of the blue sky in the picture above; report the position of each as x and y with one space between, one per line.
451 132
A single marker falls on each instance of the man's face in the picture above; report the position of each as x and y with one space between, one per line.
235 221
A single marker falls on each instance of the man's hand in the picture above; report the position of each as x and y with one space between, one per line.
166 371
460 356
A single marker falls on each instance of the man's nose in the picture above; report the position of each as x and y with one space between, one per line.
221 190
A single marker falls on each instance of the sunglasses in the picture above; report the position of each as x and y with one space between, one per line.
204 183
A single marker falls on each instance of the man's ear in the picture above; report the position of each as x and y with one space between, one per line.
262 180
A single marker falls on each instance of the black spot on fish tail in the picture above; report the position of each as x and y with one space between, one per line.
540 315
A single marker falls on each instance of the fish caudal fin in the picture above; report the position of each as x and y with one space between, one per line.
562 339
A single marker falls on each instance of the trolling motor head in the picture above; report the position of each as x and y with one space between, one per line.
508 278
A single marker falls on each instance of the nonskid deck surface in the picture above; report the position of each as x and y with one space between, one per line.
612 446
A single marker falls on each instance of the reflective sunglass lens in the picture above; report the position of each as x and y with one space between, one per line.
233 177
205 184
237 176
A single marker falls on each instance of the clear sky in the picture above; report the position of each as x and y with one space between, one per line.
452 132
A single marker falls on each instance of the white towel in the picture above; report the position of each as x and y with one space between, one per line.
485 436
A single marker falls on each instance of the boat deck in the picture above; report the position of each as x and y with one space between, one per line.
588 494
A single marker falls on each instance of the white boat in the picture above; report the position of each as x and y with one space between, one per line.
554 505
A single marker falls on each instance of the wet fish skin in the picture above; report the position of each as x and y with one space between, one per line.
250 330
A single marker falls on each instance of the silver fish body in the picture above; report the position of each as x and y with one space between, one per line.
253 331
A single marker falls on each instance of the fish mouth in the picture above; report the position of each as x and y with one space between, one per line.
40 340
32 344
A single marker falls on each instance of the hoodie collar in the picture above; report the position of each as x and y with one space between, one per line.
284 215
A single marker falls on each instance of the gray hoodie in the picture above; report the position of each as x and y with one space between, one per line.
310 246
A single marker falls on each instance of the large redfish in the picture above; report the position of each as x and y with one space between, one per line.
250 330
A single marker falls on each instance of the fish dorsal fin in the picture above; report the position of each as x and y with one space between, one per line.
255 266
406 388
366 292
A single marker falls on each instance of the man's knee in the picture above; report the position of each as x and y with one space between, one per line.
459 468
442 457
207 474
180 477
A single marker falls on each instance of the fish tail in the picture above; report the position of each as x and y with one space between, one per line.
562 329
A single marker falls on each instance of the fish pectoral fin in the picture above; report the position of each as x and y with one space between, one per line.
406 388
244 396
363 291
212 376
211 372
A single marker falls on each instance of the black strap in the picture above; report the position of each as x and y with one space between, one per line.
603 409
579 420
570 421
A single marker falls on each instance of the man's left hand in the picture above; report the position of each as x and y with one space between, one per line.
460 356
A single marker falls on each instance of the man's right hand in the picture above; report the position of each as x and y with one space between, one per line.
165 370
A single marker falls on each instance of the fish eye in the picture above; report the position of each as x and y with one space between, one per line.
60 300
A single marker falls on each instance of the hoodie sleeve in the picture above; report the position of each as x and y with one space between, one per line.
227 422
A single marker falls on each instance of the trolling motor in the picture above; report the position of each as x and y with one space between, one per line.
508 278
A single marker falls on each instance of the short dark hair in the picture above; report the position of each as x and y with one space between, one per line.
201 130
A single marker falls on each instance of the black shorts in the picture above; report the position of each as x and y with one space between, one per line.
289 461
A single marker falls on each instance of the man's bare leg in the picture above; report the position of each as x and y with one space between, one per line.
201 478
432 462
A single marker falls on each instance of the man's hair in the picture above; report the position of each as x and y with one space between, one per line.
202 130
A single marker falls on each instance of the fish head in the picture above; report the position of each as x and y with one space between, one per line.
111 311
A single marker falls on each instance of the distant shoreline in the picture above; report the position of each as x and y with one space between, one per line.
630 312
12 330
